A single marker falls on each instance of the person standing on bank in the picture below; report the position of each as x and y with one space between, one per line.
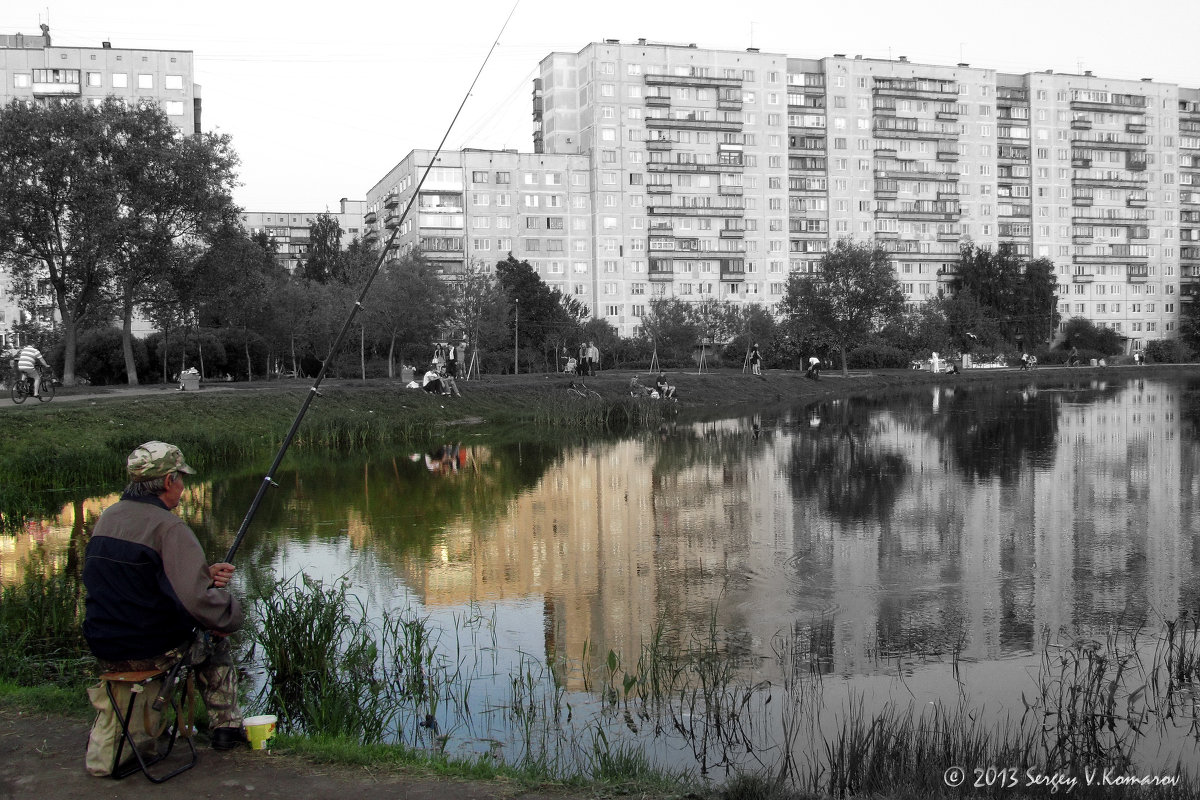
755 359
593 358
154 601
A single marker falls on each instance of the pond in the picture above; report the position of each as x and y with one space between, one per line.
968 550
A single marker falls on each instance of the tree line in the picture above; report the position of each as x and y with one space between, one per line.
108 212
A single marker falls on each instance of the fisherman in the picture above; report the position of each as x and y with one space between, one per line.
153 601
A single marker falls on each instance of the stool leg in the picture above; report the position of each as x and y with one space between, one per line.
141 763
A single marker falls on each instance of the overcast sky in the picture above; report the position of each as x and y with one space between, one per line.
322 99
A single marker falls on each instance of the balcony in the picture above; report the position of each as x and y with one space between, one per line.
1081 163
659 144
1081 124
391 221
660 274
1082 277
656 101
695 125
370 218
729 105
658 188
1135 202
57 89
1135 127
947 116
691 80
391 201
730 190
947 275
1083 238
1137 274
947 155
732 233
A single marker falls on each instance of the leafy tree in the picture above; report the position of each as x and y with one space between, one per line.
174 187
543 312
407 307
1084 334
324 261
58 207
751 324
1189 324
672 329
1019 296
478 310
855 294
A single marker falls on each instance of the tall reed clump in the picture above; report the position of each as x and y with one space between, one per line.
321 660
41 640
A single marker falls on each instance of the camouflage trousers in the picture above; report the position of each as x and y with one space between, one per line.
212 665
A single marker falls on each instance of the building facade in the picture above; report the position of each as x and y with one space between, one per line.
289 230
715 173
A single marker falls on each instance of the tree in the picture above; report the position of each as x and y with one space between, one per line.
478 310
854 294
1019 296
406 306
1086 335
672 329
324 261
1189 324
173 187
94 198
58 207
545 313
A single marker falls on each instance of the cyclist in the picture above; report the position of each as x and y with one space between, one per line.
27 361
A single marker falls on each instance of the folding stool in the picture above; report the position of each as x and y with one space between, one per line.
137 682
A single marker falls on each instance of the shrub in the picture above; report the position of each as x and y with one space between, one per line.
1168 351
100 359
1063 355
878 356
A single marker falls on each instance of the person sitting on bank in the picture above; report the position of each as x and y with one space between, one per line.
153 601
814 368
664 389
637 388
448 382
432 382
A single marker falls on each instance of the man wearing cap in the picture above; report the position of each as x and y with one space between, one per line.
152 598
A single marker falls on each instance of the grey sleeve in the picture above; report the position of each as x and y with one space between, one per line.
187 571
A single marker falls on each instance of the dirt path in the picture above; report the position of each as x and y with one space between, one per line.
41 758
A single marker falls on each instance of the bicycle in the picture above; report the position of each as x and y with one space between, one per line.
23 388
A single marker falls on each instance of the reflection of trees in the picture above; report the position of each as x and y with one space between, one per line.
399 502
840 465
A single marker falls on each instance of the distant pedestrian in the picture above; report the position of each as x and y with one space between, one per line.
582 368
755 359
593 358
814 368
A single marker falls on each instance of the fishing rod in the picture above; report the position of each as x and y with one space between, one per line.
313 392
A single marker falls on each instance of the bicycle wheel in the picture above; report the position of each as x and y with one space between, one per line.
47 390
19 392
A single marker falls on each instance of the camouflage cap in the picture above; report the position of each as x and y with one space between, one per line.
154 460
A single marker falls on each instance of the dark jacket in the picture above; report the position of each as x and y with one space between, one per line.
148 586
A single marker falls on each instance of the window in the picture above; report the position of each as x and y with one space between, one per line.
95 79
120 80
173 82
174 108
479 176
503 177
145 81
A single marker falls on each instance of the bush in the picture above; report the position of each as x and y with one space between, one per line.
878 356
1062 355
1168 351
99 358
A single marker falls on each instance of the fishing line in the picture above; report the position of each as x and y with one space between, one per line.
269 479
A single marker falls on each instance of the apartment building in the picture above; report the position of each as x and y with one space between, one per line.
289 230
715 173
32 68
477 206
